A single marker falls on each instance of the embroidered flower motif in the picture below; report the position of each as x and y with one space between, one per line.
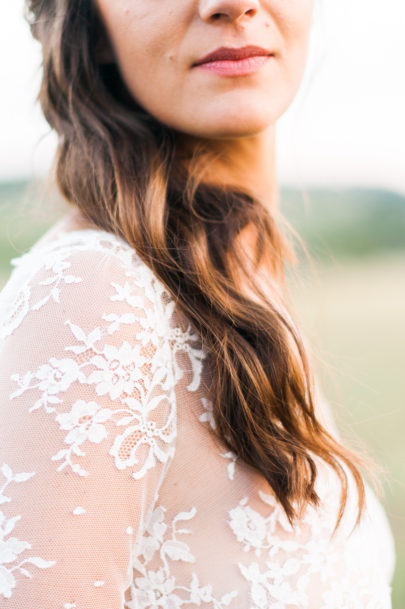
84 422
51 379
58 375
249 526
156 590
116 371
268 591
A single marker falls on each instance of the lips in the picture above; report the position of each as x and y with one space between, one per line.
232 54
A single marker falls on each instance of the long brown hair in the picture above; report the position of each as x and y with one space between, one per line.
122 169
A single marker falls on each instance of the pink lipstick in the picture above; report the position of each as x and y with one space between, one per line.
228 61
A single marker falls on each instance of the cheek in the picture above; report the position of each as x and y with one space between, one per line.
145 49
294 23
134 43
135 34
292 19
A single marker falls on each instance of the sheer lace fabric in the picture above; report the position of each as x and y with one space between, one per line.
114 492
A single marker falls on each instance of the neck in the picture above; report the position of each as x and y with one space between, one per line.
248 163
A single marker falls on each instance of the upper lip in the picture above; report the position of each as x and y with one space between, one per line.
228 53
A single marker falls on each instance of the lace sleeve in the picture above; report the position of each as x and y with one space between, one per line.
87 431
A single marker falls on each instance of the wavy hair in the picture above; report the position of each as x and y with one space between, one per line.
123 170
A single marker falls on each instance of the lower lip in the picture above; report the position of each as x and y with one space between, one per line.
240 67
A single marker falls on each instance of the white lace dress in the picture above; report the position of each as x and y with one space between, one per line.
114 492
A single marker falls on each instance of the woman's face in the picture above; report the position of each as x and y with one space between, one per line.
157 42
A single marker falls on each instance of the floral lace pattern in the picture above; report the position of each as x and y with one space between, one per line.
154 587
298 558
117 498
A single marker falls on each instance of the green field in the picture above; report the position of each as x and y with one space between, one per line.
354 316
351 307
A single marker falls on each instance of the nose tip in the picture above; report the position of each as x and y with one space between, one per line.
231 10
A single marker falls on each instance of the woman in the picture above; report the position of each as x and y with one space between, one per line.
174 445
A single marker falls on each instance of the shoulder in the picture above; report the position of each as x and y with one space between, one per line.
84 334
83 273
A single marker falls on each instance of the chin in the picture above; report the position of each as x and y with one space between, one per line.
229 125
238 115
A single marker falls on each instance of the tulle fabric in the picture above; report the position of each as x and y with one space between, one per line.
115 492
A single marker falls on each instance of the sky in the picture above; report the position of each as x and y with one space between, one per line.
345 127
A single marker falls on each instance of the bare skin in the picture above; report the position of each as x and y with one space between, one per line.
155 45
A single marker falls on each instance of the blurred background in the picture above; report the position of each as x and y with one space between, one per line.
341 160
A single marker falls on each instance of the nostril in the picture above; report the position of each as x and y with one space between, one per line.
229 9
217 16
